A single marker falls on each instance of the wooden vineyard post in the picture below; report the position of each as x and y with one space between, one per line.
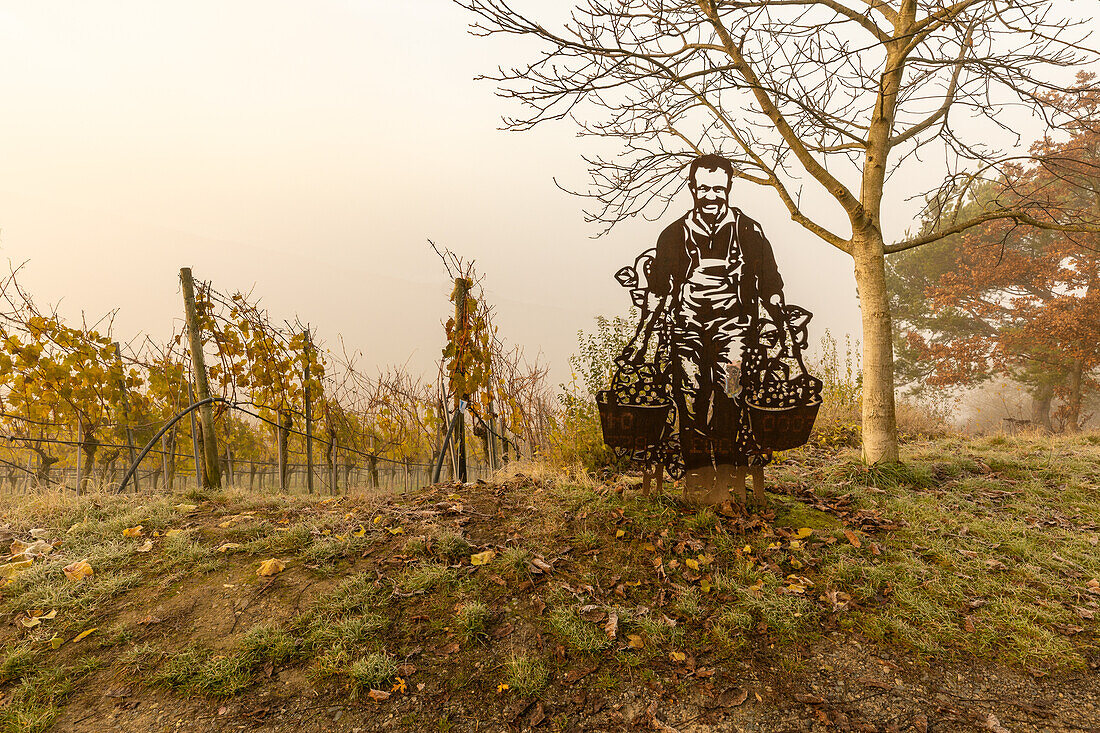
126 412
335 473
309 417
164 464
462 290
212 472
195 452
280 440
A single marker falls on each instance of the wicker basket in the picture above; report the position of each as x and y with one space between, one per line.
782 428
632 427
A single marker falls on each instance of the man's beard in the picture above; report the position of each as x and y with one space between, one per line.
708 218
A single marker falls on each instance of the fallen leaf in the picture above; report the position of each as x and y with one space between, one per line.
482 558
132 531
229 546
84 634
995 564
611 628
502 687
692 563
406 669
733 697
9 569
634 641
808 699
150 619
576 674
271 566
1067 629
173 532
56 642
991 723
78 570
451 648
804 532
186 508
30 623
146 546
620 533
968 624
379 695
852 538
677 656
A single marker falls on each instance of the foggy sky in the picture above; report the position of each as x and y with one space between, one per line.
308 151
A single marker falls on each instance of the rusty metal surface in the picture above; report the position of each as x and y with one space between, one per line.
714 372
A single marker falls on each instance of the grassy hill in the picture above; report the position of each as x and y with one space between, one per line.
958 591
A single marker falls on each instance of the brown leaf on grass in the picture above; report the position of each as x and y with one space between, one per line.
133 531
808 699
271 566
379 695
405 670
852 538
502 631
992 724
146 546
611 628
1067 629
150 619
1085 613
995 564
968 624
451 648
634 641
576 674
733 697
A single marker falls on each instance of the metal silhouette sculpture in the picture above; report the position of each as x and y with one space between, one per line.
707 387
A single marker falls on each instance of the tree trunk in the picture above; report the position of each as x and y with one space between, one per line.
45 463
1073 403
1041 408
90 446
880 434
373 472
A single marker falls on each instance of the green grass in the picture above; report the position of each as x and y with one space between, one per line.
374 671
422 578
576 633
525 675
471 621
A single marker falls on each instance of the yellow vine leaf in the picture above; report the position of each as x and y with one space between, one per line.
482 558
272 566
78 570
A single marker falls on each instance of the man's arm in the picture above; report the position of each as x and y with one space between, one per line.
662 288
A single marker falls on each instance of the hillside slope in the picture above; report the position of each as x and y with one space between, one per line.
957 592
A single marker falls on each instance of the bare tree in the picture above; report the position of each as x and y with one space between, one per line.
836 95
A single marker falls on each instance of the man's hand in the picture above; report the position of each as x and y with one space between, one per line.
632 355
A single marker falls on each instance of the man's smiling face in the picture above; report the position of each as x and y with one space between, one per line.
711 189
